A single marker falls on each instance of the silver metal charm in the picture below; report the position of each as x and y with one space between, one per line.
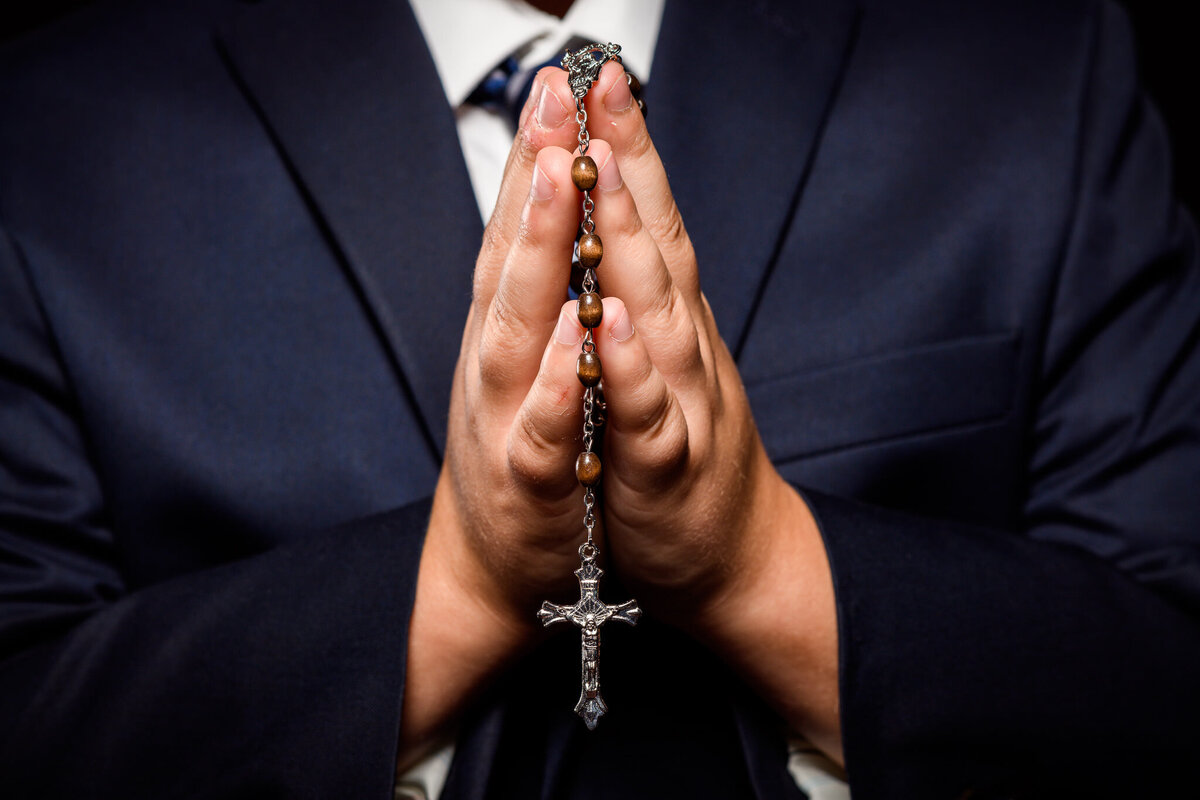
589 614
583 65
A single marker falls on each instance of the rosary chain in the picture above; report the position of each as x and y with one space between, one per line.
590 612
585 138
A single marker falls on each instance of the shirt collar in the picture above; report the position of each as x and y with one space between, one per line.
467 38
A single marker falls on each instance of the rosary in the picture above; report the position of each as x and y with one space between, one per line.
590 612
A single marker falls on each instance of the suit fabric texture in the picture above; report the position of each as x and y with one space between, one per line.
938 238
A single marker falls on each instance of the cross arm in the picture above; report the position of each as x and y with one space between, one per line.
551 613
628 612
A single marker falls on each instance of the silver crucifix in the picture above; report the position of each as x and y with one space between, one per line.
589 614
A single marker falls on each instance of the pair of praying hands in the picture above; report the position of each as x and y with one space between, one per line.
695 519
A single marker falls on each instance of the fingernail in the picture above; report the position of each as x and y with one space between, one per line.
619 98
550 111
622 329
609 176
542 188
568 330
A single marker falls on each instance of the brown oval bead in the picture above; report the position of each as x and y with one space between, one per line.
591 250
588 369
587 469
590 309
583 173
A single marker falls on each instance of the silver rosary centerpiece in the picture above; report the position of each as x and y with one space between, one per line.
583 65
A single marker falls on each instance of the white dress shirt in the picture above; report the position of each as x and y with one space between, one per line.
468 38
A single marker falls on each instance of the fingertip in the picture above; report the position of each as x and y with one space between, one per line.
542 188
614 88
568 331
608 177
627 365
617 322
554 102
649 432
599 150
551 170
556 162
555 78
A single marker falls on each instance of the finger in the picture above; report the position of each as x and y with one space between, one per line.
547 120
532 283
633 269
544 438
613 115
646 435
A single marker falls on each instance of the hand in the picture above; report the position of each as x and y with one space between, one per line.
698 522
507 515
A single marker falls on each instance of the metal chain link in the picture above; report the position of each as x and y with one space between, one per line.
585 139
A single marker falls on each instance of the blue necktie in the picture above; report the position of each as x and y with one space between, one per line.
506 87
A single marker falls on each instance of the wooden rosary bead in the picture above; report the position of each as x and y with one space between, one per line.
587 469
591 250
590 309
588 369
583 173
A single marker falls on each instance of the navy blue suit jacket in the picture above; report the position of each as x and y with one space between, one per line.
938 237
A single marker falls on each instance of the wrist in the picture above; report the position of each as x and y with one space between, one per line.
767 573
460 637
775 622
489 607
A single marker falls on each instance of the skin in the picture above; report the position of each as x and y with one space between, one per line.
697 521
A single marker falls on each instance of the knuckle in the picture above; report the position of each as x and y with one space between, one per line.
555 397
493 357
639 144
494 240
530 139
663 301
712 375
534 458
526 233
503 318
666 444
680 339
629 223
688 352
672 231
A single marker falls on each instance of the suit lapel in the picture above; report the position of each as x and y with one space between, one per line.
353 101
738 99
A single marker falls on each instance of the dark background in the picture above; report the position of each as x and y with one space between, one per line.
1169 62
